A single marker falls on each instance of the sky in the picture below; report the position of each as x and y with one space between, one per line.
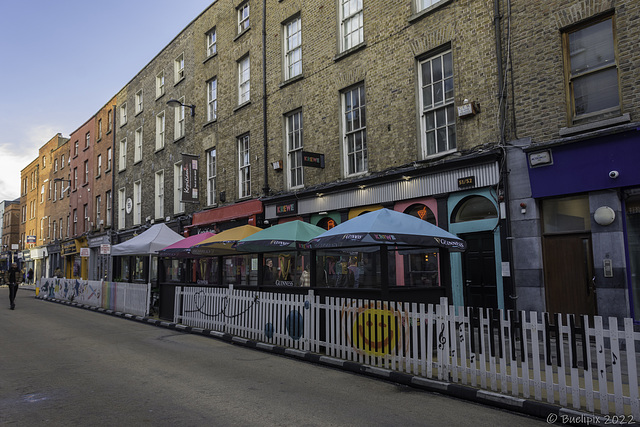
62 60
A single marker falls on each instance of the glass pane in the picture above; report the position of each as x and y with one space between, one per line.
437 69
438 93
430 120
448 65
442 139
591 47
431 142
426 73
633 233
452 136
427 101
474 208
596 91
567 214
448 89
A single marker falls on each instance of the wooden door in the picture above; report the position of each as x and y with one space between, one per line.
479 271
568 274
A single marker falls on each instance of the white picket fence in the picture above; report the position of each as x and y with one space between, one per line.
557 359
130 298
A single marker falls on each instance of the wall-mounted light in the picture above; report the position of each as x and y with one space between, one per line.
175 103
604 215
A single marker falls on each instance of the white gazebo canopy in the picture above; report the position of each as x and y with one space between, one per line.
157 237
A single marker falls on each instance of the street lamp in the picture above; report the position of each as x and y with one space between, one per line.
63 180
176 103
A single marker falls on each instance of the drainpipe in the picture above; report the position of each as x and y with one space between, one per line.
512 296
113 185
265 142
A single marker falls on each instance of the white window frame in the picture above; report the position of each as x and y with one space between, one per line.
243 17
108 207
159 194
425 4
75 222
351 24
211 176
109 120
123 114
122 163
178 68
122 200
179 121
139 101
211 42
292 48
109 158
137 146
353 128
86 172
99 164
244 167
160 130
436 101
137 202
244 80
294 146
99 129
98 210
178 206
87 140
159 84
212 99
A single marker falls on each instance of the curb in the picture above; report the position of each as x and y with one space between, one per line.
552 414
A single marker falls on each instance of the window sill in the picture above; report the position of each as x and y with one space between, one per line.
245 31
85 149
210 122
349 52
98 176
106 171
179 81
180 138
291 80
122 170
137 162
421 14
158 150
241 106
209 58
568 131
159 96
138 113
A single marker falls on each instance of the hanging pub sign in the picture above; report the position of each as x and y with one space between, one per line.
189 192
313 160
287 208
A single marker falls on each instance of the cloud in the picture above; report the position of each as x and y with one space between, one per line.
16 156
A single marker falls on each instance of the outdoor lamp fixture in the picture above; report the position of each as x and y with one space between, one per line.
176 103
63 180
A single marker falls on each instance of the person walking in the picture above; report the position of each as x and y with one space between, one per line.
13 279
30 276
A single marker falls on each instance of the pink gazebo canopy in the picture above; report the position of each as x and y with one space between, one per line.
183 247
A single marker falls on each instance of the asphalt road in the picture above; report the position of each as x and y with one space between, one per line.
65 366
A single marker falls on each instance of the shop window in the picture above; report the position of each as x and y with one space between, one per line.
474 208
566 214
327 223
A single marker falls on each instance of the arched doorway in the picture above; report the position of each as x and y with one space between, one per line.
476 277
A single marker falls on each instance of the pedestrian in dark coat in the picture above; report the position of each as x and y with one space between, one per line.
13 279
